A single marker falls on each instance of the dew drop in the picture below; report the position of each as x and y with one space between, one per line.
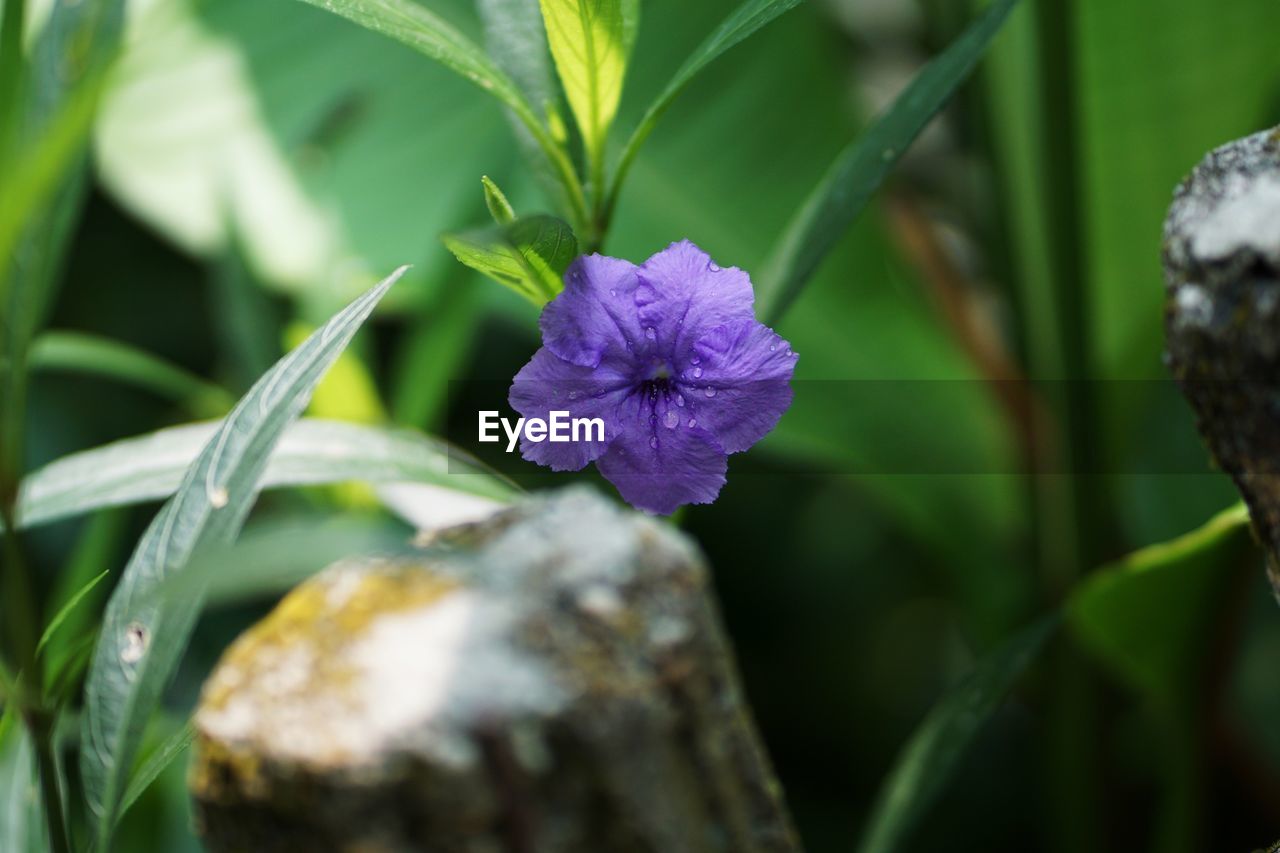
573 395
693 422
773 347
613 292
653 442
697 373
712 266
679 400
670 419
711 392
695 360
651 333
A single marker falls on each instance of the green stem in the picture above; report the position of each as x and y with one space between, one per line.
1071 506
12 23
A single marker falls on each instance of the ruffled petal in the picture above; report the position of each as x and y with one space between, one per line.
594 318
549 383
739 386
662 458
682 295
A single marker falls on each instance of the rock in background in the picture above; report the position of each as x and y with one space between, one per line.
553 679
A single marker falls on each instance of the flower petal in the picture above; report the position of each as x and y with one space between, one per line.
740 386
595 315
662 458
549 383
682 295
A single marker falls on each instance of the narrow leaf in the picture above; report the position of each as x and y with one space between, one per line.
77 352
588 41
929 758
742 23
141 643
862 167
1146 616
529 256
312 452
156 763
61 615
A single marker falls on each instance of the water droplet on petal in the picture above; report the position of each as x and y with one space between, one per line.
671 419
773 347
679 400
693 422
651 333
653 442
573 395
712 266
695 360
697 373
613 292
711 392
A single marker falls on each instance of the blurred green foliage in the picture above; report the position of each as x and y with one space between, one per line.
257 163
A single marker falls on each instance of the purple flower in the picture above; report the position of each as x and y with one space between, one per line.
670 356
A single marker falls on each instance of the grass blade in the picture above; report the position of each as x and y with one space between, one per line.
156 763
56 622
924 765
862 167
141 642
744 22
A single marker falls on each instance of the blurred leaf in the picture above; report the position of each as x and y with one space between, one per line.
79 352
749 17
494 199
141 644
21 823
414 25
862 167
588 41
311 452
156 763
56 622
1148 616
433 354
529 256
94 552
924 766
311 173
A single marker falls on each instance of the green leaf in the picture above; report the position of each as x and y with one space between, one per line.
494 199
156 763
1148 617
529 256
78 352
56 622
588 41
930 757
141 643
862 167
745 20
416 26
311 452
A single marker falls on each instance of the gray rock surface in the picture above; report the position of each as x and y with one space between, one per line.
552 679
1222 317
